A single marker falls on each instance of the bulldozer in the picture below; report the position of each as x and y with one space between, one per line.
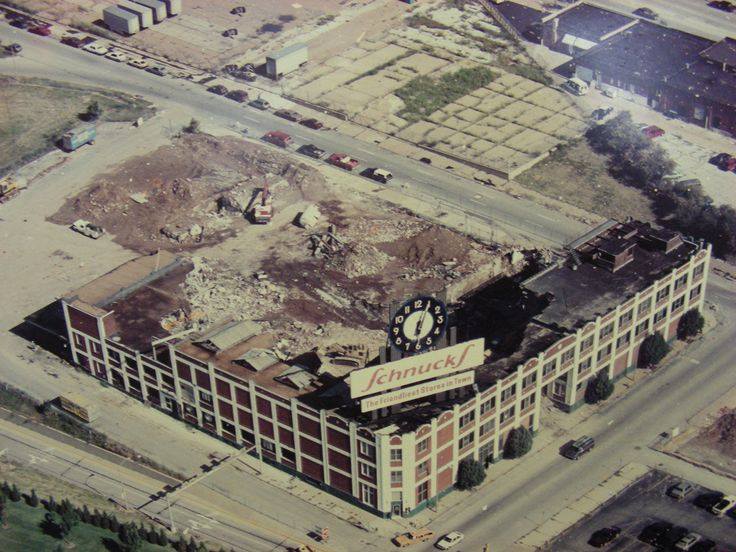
9 188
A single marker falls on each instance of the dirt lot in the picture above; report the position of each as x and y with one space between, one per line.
36 112
716 444
577 175
334 280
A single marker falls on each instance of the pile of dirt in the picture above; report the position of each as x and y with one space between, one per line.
722 433
181 196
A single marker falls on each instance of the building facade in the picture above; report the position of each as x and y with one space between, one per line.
391 467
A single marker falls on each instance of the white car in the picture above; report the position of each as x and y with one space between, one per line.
450 540
723 505
98 49
138 63
688 541
116 56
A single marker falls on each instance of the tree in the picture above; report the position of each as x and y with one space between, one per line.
85 516
470 473
5 489
518 443
599 388
15 495
3 515
152 536
192 127
51 505
114 523
130 537
192 545
162 539
691 324
32 499
93 111
653 349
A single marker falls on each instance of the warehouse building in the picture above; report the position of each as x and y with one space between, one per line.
366 434
286 60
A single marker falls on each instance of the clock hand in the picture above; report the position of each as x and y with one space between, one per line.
420 325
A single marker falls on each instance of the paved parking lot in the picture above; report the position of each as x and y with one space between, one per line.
643 504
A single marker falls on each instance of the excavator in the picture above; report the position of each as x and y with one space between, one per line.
262 207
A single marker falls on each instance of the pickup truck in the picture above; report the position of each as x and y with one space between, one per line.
343 161
278 138
88 229
413 537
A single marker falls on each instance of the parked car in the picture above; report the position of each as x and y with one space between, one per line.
723 161
20 22
312 151
312 123
601 113
646 13
705 545
688 541
138 63
380 175
73 41
116 56
237 95
577 448
278 138
14 48
653 131
288 114
159 70
450 540
260 103
41 29
413 537
673 536
218 89
722 5
343 161
88 229
681 490
604 536
724 505
654 533
426 160
95 48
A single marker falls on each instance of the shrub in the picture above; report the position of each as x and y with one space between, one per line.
33 500
14 495
518 443
130 537
653 349
691 324
470 473
599 388
93 111
192 127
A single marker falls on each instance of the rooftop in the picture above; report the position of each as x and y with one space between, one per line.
287 51
521 17
722 52
587 22
706 80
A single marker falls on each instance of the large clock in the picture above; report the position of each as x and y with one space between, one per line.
418 324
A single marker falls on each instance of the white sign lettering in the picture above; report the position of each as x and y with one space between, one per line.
417 391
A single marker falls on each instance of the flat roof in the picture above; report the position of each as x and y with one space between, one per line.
588 22
287 51
705 80
722 52
119 12
521 17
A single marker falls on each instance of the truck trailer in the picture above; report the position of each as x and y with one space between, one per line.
145 14
173 7
157 7
286 60
121 21
75 139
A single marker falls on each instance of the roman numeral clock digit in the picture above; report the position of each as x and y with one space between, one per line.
417 324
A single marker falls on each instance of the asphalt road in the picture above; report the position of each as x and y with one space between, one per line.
45 57
506 510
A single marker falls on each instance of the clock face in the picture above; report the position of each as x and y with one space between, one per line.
418 324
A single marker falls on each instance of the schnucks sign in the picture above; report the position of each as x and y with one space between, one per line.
417 391
413 369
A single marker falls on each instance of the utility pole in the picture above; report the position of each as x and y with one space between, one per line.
171 516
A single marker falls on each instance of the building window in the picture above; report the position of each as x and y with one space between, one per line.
423 491
527 402
395 455
396 478
586 344
486 427
466 440
114 357
190 410
549 367
488 406
423 469
205 397
268 446
567 356
626 317
623 340
660 315
288 455
95 347
78 339
465 419
367 494
485 453
208 418
507 414
227 426
681 281
366 449
423 446
678 303
698 270
187 392
529 380
606 331
662 294
604 352
584 365
645 307
643 327
366 470
507 393
560 386
695 292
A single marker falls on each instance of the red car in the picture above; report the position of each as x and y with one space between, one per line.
343 161
312 123
41 29
278 138
653 131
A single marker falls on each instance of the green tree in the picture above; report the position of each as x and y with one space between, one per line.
691 324
599 388
93 111
653 349
114 523
192 127
5 489
85 516
162 539
15 494
3 515
518 443
470 473
130 537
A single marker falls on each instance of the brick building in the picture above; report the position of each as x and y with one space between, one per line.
545 336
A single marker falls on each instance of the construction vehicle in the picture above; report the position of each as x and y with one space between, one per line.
261 211
75 139
9 188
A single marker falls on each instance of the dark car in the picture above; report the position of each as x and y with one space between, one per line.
218 89
705 545
578 447
312 123
426 160
722 5
288 114
719 159
604 536
654 533
681 490
73 41
41 29
238 95
646 13
14 48
20 22
312 151
159 70
601 113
